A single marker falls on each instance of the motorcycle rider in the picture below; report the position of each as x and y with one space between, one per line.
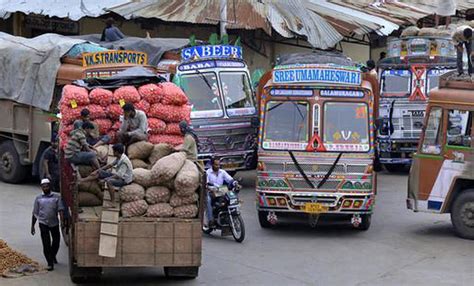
216 177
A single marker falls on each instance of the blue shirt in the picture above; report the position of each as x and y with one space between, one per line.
218 179
46 208
112 34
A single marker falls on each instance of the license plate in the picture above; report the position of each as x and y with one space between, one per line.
315 208
230 166
417 113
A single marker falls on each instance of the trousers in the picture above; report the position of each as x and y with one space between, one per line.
459 54
50 247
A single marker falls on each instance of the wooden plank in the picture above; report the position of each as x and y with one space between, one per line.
108 228
108 245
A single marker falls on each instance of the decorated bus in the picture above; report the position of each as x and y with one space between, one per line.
217 81
316 140
408 74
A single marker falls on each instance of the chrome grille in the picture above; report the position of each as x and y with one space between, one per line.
356 168
315 168
275 167
325 200
300 184
225 140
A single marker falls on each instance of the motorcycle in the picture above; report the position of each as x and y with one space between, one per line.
226 212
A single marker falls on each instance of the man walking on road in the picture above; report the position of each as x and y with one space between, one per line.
45 210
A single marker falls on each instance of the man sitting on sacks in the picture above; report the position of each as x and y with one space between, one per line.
462 37
78 151
94 138
121 174
134 126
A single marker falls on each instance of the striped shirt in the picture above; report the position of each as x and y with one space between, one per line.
75 143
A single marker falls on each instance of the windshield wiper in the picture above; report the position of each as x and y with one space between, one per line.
203 77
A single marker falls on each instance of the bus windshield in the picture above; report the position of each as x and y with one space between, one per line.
286 122
203 92
237 93
396 83
346 126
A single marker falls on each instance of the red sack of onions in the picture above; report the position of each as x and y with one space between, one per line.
63 139
150 92
170 113
172 129
156 126
66 128
116 126
114 111
104 125
96 111
168 139
143 105
69 114
127 94
102 97
74 95
172 94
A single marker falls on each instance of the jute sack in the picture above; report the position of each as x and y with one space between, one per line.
132 192
157 194
139 150
92 187
102 153
428 32
159 210
167 167
136 208
159 151
142 177
138 163
178 201
187 179
410 31
85 170
88 200
187 211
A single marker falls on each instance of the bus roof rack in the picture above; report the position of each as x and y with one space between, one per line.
315 57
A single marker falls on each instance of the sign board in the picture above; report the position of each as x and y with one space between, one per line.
210 64
52 25
291 92
341 93
114 57
317 75
211 51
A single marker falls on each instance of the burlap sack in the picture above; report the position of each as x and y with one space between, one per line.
132 192
88 200
167 167
187 211
85 170
159 151
159 210
140 150
187 179
102 153
428 32
136 208
92 187
142 177
137 163
157 194
410 31
178 201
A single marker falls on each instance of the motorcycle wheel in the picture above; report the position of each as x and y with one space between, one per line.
238 228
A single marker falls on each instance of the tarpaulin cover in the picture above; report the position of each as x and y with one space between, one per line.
316 57
29 66
154 47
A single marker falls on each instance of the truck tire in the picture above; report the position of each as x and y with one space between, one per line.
395 168
462 214
262 219
182 272
366 221
11 171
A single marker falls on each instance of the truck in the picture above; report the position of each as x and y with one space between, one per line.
407 75
26 131
441 178
316 140
217 81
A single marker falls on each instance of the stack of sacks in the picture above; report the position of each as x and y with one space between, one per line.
165 105
89 194
170 183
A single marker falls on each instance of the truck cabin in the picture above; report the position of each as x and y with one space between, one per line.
442 174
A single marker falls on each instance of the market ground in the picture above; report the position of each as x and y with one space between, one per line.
400 248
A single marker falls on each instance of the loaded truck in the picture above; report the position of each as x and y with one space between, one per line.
442 173
46 64
316 141
407 75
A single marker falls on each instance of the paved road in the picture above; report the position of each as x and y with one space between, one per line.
401 248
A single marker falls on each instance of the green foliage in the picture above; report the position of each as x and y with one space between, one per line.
237 42
225 39
192 40
214 39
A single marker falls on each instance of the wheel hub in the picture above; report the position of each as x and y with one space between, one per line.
467 214
7 158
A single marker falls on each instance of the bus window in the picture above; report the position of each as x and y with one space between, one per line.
433 78
346 123
459 128
396 83
432 139
286 121
203 93
236 92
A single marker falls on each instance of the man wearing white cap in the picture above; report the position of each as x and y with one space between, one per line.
45 209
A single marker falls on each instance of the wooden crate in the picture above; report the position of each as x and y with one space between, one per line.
142 242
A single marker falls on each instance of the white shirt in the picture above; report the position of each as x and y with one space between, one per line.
218 179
